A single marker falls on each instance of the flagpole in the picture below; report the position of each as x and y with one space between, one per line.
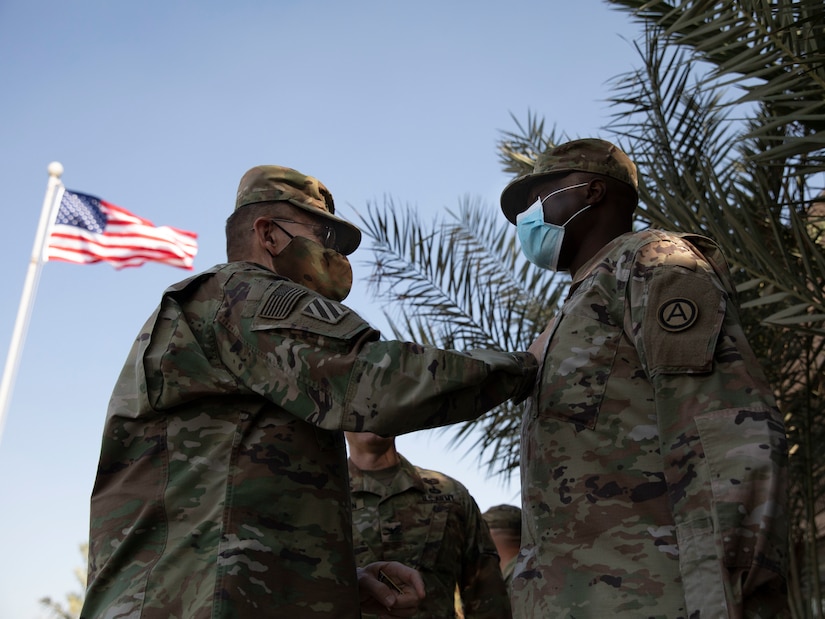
51 202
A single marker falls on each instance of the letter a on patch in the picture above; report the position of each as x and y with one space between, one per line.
677 314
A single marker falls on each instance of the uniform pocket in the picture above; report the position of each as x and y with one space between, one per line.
745 451
417 535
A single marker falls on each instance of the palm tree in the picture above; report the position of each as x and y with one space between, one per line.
726 121
461 282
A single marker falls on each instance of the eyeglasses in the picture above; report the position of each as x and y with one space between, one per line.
323 231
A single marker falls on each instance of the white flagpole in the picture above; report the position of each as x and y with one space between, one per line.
51 203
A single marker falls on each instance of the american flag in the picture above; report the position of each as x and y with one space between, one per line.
88 229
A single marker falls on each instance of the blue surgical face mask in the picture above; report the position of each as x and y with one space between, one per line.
540 241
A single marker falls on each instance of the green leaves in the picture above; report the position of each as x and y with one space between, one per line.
461 282
460 279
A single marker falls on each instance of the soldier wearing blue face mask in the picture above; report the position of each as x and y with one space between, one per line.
654 460
541 241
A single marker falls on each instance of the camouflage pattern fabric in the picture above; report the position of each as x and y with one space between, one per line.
273 183
222 488
653 456
429 521
587 155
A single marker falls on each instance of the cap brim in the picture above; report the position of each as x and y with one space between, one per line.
514 196
347 235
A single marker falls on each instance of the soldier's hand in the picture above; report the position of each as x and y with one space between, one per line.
390 589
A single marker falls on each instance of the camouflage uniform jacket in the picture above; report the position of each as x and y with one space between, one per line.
653 457
222 487
429 521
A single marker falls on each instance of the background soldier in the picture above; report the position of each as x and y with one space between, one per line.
427 520
504 522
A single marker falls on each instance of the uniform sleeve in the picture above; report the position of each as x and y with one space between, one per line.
418 386
323 363
722 438
481 585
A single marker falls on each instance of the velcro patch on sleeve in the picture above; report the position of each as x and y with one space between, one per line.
682 321
325 310
281 302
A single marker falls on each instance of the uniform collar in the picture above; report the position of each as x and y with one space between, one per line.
405 479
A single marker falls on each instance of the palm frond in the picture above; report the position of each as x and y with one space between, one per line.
518 150
461 282
774 52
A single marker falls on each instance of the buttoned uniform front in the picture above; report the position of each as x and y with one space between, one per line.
429 521
222 487
653 456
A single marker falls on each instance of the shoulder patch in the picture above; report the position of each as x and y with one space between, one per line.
281 302
677 314
683 316
326 311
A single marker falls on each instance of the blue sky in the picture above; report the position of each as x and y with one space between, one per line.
159 107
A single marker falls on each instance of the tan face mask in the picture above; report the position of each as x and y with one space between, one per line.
312 265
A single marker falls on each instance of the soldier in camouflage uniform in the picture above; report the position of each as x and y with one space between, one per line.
504 522
222 488
427 520
653 458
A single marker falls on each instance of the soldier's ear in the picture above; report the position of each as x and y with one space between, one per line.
264 232
596 190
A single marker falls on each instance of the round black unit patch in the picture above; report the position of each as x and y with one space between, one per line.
677 314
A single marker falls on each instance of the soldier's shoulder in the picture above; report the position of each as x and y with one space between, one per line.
283 304
654 247
442 481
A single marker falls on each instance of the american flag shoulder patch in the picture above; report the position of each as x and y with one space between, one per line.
327 311
281 302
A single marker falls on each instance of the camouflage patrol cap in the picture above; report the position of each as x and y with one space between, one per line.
587 155
506 517
271 183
